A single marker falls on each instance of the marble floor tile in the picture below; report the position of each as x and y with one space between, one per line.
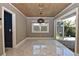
33 47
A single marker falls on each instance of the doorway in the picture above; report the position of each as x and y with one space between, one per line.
8 29
70 32
66 31
59 29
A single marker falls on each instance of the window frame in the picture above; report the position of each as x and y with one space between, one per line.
40 25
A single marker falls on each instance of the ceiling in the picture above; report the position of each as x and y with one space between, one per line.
40 9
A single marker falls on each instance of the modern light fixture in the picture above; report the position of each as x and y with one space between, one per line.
41 8
40 20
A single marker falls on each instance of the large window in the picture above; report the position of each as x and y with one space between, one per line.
70 28
40 27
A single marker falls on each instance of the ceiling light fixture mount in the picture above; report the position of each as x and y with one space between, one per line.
41 8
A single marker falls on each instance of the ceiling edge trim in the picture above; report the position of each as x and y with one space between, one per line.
64 10
17 10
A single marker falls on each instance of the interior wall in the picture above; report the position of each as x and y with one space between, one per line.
67 9
20 25
1 44
34 19
77 32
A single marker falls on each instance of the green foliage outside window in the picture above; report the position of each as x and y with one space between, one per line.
69 29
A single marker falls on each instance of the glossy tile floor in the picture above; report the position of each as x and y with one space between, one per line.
33 47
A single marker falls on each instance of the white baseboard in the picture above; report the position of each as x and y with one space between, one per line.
17 45
4 54
32 38
39 37
76 54
20 43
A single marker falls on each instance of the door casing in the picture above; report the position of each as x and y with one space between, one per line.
13 27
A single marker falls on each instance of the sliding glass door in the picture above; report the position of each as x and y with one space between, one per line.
59 29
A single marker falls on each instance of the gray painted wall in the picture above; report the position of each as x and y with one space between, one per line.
34 19
1 44
20 25
66 10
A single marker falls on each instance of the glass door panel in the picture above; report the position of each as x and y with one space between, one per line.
59 29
